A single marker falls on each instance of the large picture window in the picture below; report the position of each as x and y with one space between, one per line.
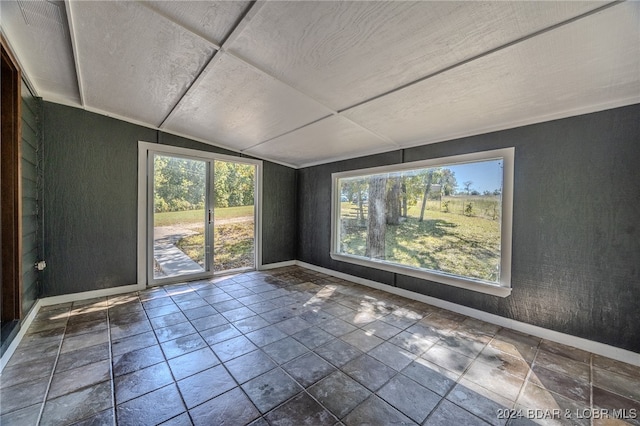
446 220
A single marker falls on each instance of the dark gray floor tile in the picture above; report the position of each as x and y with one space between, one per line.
375 411
607 400
167 308
179 420
339 393
480 402
139 382
279 314
338 352
293 325
131 343
78 405
463 344
362 340
231 408
211 321
24 416
193 303
20 373
238 314
233 348
262 307
79 328
174 331
337 327
616 366
250 324
84 340
26 354
393 356
103 418
182 345
205 385
381 329
219 334
266 335
516 344
563 365
370 372
565 351
495 358
81 357
560 383
192 362
152 408
129 329
301 410
447 359
316 317
431 376
412 342
495 380
135 360
200 312
313 337
285 350
167 320
248 366
271 389
617 383
23 395
410 398
449 413
308 369
78 378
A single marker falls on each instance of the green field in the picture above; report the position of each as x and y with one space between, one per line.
452 242
195 216
232 246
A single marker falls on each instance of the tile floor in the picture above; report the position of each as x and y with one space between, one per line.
293 347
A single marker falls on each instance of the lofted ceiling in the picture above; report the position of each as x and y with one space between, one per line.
308 82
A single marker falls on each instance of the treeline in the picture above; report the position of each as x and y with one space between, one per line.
179 184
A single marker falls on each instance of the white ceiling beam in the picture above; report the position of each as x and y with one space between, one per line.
251 11
74 50
193 31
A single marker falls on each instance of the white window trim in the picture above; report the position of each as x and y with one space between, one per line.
503 288
144 148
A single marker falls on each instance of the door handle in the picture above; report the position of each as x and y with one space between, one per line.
210 216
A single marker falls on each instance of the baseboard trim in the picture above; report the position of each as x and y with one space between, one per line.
74 297
277 265
544 333
24 326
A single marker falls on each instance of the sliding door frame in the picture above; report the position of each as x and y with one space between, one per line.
145 229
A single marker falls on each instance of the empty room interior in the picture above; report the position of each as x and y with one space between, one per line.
320 212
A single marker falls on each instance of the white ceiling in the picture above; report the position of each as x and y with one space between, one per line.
304 83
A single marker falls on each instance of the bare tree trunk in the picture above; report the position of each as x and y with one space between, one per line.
377 221
360 209
404 198
393 203
427 188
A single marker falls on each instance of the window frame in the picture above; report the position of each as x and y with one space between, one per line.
503 288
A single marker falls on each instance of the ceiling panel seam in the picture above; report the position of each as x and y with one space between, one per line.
251 10
74 50
183 26
484 54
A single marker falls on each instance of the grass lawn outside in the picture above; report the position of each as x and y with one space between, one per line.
465 245
195 216
232 246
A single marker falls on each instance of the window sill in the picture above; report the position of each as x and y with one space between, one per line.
468 284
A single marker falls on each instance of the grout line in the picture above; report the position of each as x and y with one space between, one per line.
111 372
53 370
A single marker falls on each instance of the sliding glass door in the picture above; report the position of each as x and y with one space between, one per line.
201 216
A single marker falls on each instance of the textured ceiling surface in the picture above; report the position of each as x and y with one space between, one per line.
304 83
